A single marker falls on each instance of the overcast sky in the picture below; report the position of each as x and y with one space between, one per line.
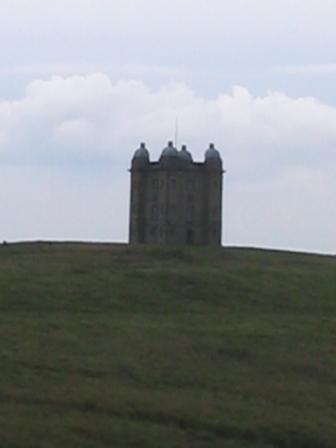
82 83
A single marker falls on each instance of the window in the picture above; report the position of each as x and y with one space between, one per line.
173 183
190 236
171 230
191 184
173 208
190 211
154 212
190 198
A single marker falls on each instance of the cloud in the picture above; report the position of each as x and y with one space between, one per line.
65 147
69 69
90 116
200 42
307 70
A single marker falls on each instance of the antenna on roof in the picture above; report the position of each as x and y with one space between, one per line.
176 132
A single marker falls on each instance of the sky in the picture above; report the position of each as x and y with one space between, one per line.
82 83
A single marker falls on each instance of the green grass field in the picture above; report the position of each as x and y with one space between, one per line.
118 346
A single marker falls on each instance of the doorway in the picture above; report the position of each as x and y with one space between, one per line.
190 236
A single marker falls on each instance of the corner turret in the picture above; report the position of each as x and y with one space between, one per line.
184 154
169 156
169 151
213 159
141 157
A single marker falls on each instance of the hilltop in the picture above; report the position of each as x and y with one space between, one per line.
110 345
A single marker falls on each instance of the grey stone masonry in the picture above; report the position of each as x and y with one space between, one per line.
176 200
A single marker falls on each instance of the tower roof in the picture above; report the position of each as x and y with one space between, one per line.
142 152
212 154
170 151
185 154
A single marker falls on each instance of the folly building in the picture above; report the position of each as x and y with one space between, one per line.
175 200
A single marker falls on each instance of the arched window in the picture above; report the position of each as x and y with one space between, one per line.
190 236
190 211
154 212
191 184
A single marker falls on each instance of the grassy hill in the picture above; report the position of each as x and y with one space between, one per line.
113 346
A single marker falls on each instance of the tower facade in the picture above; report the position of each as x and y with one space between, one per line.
176 200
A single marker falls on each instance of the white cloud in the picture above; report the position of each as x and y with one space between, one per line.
70 69
279 152
108 119
307 70
197 41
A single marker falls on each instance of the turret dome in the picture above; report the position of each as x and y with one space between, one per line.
170 151
141 153
185 154
212 154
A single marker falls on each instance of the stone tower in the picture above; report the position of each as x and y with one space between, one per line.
176 200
